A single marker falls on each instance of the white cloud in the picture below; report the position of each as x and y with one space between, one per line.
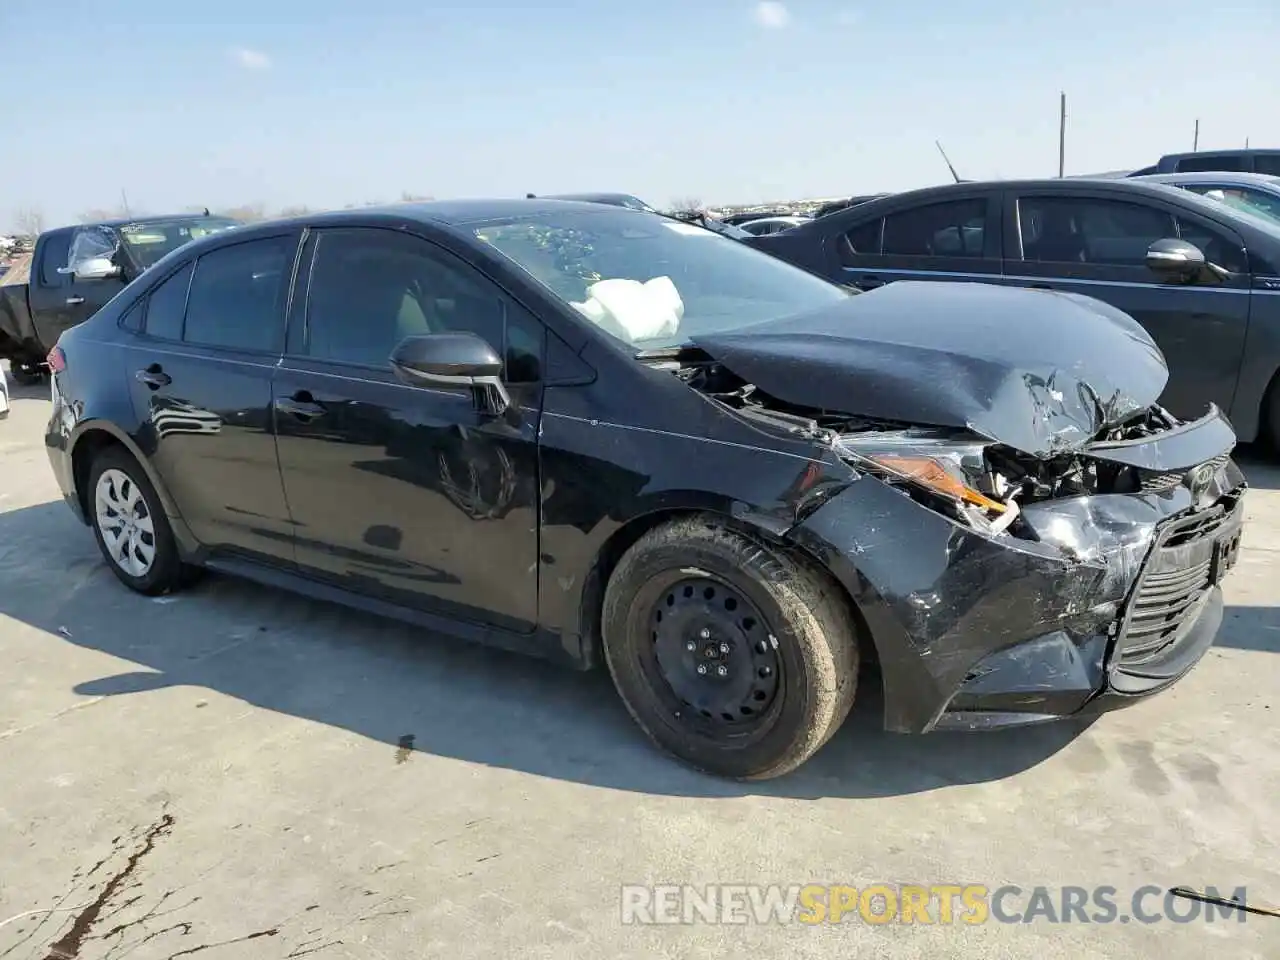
772 15
251 59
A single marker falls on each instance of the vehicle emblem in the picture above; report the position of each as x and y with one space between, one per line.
1199 478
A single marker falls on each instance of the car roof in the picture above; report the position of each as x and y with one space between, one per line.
152 218
1228 177
969 187
460 212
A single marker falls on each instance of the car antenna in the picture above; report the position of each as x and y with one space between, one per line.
955 176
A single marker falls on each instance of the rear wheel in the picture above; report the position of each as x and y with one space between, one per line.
130 526
740 660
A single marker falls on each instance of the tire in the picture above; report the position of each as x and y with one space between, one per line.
752 598
166 571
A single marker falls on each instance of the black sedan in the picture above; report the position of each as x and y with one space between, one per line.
600 434
1201 277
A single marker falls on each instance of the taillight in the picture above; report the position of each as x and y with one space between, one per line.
57 360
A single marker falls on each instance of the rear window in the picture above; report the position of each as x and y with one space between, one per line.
1226 162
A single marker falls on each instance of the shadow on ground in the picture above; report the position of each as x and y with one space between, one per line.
385 681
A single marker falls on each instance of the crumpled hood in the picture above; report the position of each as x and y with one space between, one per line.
1037 370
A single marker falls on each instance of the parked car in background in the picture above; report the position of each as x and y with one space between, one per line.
612 199
1202 278
767 225
836 205
74 271
1255 193
599 434
1242 161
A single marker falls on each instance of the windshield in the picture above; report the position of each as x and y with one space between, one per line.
653 282
1249 201
148 242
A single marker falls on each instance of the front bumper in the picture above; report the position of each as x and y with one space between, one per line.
1118 599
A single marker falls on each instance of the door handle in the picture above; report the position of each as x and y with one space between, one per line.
74 301
154 377
301 406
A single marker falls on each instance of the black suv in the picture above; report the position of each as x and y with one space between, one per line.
1202 278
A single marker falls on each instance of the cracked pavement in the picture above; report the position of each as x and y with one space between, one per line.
235 772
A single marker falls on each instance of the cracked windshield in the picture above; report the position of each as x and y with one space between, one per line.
518 481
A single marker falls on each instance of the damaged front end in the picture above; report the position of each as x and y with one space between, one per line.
1002 586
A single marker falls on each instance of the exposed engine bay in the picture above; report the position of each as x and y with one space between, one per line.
977 481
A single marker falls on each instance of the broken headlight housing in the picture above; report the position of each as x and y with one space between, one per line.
941 469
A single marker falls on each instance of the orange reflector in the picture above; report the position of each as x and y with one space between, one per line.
930 474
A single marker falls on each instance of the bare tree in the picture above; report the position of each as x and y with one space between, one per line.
247 212
298 211
688 204
30 221
104 213
407 197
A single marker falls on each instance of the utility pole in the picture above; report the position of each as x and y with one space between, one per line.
1195 144
124 200
1062 135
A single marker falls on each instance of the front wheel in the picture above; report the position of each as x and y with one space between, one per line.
130 526
738 659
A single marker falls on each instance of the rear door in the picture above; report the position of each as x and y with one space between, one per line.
954 238
1095 244
200 372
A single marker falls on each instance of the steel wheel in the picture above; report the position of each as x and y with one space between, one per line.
714 654
124 519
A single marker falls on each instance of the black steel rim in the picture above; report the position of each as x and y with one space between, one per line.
715 657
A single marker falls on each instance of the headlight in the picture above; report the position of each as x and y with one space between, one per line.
950 467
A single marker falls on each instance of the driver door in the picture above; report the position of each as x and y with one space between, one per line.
1096 245
84 297
409 494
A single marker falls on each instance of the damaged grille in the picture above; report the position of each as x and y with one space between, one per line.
1164 482
1191 555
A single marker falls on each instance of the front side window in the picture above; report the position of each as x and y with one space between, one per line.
1209 162
653 282
1083 230
1216 246
953 229
372 288
237 296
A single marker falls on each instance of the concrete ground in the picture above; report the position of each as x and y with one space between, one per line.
249 774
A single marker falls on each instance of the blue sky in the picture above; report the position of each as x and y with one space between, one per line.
329 102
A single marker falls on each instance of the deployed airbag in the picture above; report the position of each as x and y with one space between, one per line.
631 310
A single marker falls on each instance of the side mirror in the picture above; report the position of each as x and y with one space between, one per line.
97 268
453 360
1175 258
